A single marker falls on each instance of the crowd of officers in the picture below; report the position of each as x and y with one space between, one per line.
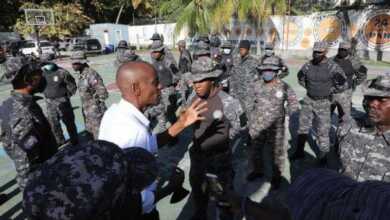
248 103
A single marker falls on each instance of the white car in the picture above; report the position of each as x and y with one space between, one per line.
31 48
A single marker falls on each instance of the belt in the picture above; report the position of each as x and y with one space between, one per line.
316 98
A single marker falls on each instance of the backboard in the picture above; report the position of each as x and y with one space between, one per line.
39 17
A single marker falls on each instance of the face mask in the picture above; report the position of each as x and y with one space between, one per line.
226 50
318 57
342 53
269 53
268 76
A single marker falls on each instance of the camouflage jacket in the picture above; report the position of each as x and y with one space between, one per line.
359 74
125 55
185 61
269 105
242 75
91 87
364 156
14 63
25 131
90 181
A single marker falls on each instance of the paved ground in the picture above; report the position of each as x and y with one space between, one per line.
169 156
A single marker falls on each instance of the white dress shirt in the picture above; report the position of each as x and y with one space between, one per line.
124 125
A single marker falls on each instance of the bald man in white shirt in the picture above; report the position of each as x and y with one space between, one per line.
125 124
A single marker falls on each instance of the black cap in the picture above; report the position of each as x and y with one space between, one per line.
245 44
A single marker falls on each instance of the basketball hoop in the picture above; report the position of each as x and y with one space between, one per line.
39 17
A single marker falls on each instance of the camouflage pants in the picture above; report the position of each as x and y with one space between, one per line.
316 114
269 144
218 164
93 114
22 164
61 109
344 100
164 111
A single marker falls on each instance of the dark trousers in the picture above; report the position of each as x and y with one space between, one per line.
154 215
217 164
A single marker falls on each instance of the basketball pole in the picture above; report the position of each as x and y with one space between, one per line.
36 27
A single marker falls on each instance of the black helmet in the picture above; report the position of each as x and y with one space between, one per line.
156 36
122 44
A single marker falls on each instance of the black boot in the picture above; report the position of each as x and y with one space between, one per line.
300 150
3 198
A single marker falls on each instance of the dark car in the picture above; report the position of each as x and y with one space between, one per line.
89 46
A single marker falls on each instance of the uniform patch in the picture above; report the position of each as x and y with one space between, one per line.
279 94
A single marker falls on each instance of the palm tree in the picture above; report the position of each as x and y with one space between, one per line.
202 16
146 5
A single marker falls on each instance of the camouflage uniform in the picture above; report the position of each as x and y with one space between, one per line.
241 77
60 87
90 181
356 74
365 155
185 61
3 71
266 126
270 54
12 65
168 75
226 65
93 93
211 152
124 55
26 134
320 81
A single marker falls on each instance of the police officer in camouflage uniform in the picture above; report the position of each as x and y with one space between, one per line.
365 155
168 75
125 54
356 73
266 127
211 152
185 61
321 77
243 73
226 64
92 91
215 43
159 39
13 64
3 68
60 87
25 131
269 53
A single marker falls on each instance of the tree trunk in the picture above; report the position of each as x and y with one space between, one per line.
119 14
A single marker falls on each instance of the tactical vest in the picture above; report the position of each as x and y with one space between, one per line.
56 86
164 74
319 80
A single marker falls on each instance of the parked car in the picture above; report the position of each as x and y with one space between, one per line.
65 44
31 48
91 45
